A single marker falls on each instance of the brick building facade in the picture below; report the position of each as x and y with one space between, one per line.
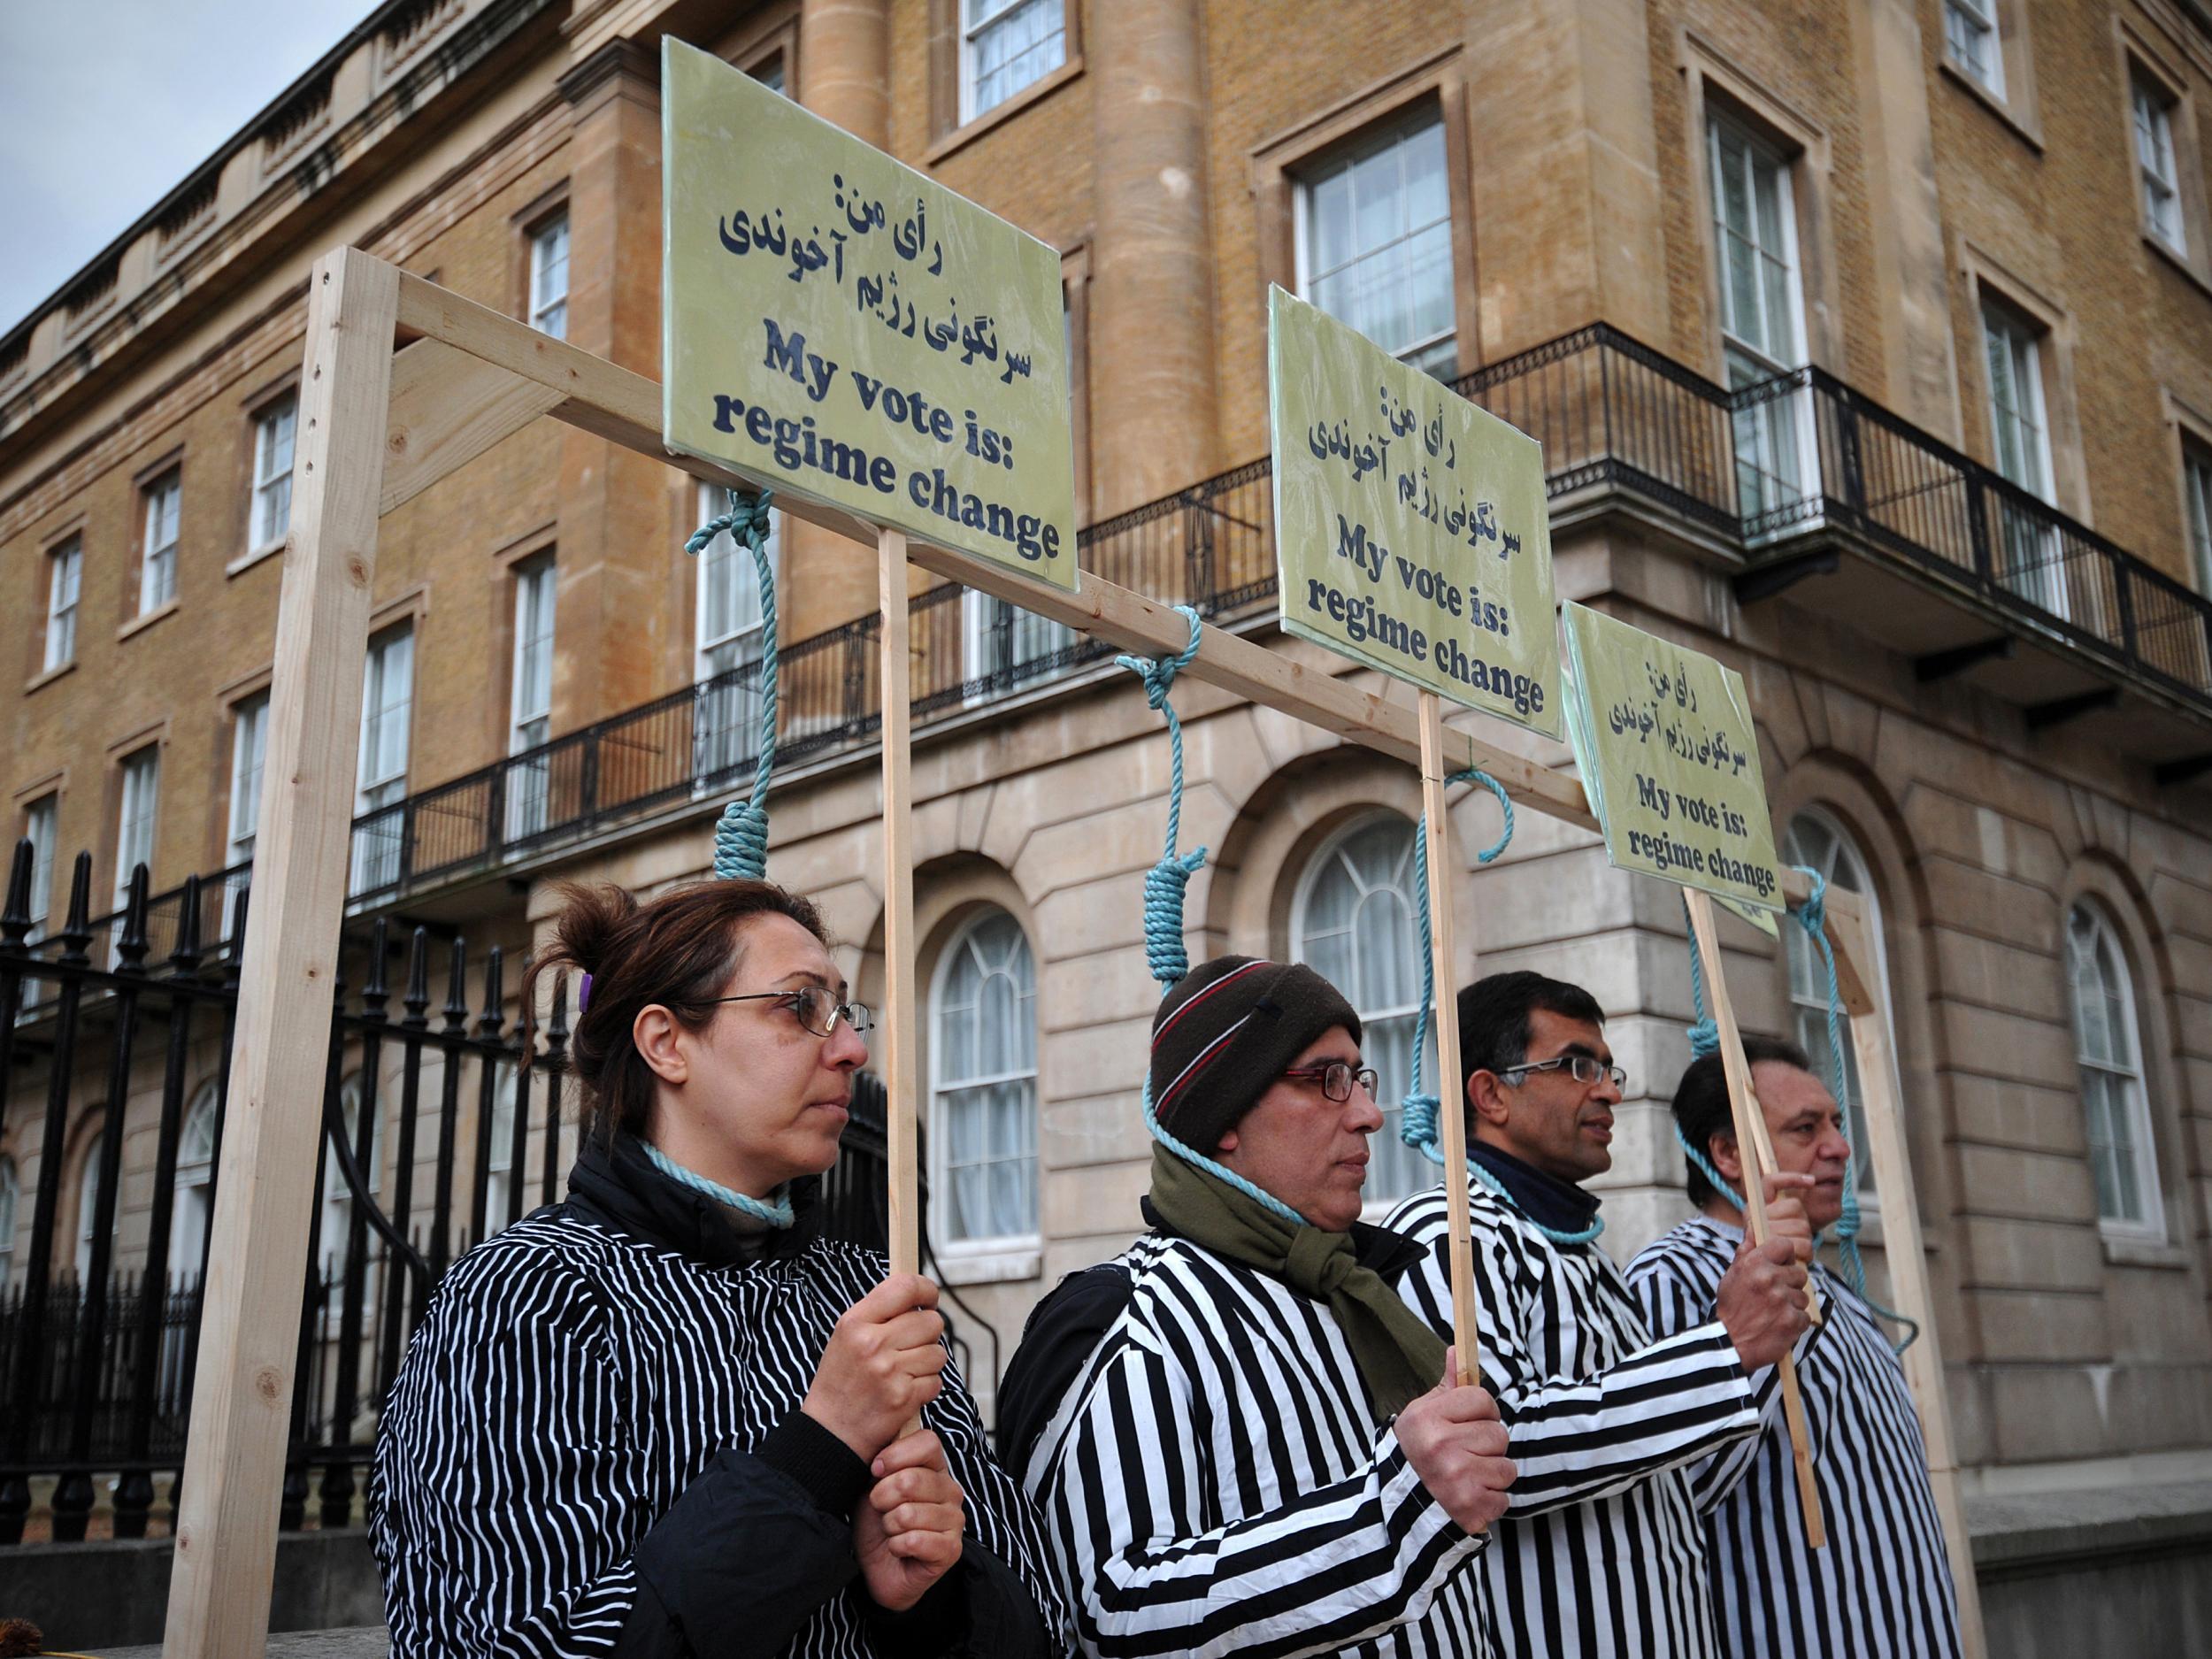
1902 405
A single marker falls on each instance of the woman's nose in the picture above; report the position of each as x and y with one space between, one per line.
846 1048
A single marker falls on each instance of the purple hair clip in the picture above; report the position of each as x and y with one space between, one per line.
583 993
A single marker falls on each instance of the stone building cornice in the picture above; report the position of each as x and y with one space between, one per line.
381 80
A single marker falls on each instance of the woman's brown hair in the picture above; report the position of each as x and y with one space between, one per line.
678 950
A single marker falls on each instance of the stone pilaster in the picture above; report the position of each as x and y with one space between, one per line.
1153 421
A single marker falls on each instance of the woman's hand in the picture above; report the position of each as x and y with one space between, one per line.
907 1532
882 1366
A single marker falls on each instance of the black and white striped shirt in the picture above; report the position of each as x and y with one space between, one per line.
1214 1483
1882 1587
1601 1552
569 1382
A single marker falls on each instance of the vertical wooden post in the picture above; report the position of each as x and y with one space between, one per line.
1908 1264
1450 1083
226 1549
1758 1160
901 1128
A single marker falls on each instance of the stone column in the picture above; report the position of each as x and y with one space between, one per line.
1565 173
1154 423
615 635
845 77
1919 353
845 65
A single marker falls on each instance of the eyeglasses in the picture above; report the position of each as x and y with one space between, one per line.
1581 1067
818 1010
1336 1078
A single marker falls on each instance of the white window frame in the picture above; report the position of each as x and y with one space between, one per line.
276 432
723 717
2134 1084
337 1219
499 1166
1426 351
195 1177
1974 44
2153 110
64 589
1779 433
997 1256
88 1211
158 559
388 712
973 30
137 818
2196 483
530 706
1843 863
41 827
548 276
248 750
1388 1152
10 1196
2029 427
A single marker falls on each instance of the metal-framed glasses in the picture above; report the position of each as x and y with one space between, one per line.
1583 1068
818 1010
1336 1078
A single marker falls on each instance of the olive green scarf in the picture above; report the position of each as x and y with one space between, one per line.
1398 1355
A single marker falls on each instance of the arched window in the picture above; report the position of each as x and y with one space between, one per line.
983 1090
88 1209
337 1196
195 1180
1352 922
2108 1046
11 1188
499 1166
1816 839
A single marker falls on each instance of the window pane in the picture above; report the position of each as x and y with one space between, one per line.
2115 1107
1377 244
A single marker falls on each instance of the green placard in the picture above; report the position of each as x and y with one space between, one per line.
1671 762
837 325
1411 527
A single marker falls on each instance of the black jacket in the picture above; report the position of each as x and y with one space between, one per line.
594 1445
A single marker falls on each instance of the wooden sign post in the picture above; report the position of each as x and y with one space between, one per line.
1413 535
1451 1119
901 1125
1757 1152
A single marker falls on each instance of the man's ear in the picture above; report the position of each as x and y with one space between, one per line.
654 1033
1722 1151
1486 1098
1228 1142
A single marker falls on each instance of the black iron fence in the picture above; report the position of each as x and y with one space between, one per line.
436 1135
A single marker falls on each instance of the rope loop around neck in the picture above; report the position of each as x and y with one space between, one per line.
740 835
774 1212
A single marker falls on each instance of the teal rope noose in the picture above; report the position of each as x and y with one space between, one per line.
776 1212
740 835
1418 1124
1164 885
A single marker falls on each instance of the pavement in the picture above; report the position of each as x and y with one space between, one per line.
366 1642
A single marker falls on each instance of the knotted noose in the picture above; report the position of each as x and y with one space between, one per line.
1163 888
1418 1124
740 835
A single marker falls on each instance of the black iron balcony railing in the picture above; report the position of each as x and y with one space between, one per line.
1759 467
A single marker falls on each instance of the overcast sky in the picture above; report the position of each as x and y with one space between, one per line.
106 104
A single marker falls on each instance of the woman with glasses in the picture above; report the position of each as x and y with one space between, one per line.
665 1417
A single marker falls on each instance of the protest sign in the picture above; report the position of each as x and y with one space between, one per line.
1671 762
1411 527
845 329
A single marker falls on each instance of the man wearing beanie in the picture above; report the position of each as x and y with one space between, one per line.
1882 1588
1601 1552
1242 1440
